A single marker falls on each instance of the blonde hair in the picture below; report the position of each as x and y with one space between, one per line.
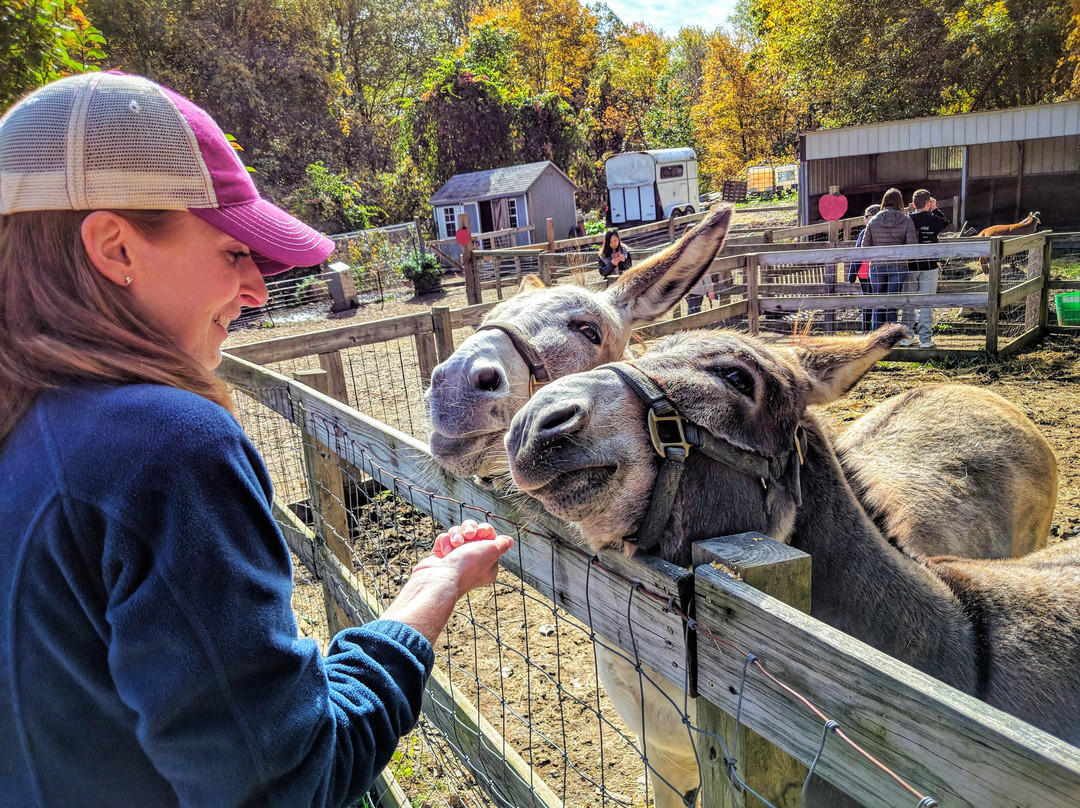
63 324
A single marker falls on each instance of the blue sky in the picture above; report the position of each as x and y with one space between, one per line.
671 15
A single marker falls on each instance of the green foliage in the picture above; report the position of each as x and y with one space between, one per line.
330 202
423 271
43 41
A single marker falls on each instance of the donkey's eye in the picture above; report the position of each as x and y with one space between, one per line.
591 332
739 379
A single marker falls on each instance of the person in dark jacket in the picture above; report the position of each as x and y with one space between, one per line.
613 259
148 646
891 226
860 270
922 276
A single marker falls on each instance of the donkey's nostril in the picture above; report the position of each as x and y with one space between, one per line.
488 380
559 418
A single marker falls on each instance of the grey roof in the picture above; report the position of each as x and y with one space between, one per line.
492 184
966 129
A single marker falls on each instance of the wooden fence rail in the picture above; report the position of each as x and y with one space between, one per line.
957 749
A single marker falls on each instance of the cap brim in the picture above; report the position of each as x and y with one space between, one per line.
278 240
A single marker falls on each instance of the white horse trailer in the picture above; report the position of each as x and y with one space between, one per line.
649 185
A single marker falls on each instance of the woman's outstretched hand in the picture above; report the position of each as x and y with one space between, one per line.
464 558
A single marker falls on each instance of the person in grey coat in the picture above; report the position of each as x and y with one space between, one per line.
889 227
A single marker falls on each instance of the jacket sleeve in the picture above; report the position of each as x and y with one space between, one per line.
939 222
629 262
233 708
867 236
604 264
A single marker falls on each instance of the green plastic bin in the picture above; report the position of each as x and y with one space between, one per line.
1068 308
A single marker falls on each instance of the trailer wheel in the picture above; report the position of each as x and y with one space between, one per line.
687 211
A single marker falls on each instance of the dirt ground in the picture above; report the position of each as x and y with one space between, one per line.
539 663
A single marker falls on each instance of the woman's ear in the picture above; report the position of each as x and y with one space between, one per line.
107 240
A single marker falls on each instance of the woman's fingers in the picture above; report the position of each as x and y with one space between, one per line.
456 536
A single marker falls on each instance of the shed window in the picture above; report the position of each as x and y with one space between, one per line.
946 158
511 212
449 222
670 172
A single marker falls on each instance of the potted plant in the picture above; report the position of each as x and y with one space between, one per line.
424 272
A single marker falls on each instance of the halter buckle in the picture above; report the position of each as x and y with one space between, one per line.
660 441
534 385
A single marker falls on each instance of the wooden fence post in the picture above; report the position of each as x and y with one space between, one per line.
327 495
551 235
993 296
419 234
543 262
472 282
444 332
427 356
1032 303
783 572
1044 293
335 376
752 293
671 229
834 232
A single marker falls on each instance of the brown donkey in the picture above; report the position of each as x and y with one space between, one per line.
1005 631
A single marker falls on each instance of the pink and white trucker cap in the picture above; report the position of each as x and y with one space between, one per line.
114 141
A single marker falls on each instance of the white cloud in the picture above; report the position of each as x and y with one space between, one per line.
670 17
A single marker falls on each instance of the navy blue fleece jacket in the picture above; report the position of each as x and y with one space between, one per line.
148 652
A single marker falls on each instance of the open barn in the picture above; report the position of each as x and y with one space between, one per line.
999 164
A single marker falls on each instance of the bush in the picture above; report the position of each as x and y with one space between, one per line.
424 272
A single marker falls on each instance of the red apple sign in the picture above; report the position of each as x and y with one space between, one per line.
832 207
463 235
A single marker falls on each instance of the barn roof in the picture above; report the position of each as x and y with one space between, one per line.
968 129
492 184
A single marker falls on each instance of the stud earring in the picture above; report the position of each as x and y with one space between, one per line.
127 280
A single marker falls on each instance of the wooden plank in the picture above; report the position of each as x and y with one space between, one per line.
442 328
596 594
700 320
427 357
1044 294
1033 241
792 304
783 572
1058 285
1029 338
953 248
1017 293
333 339
470 315
993 296
449 259
962 752
454 715
1065 330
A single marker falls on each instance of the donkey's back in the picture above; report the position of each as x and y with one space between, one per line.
953 470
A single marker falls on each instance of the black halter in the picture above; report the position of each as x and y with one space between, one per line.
538 375
673 436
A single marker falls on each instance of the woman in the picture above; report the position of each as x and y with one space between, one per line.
890 226
149 651
614 258
860 270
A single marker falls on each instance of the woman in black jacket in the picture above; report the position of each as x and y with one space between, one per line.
614 258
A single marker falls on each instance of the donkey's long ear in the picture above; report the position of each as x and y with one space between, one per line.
835 364
650 289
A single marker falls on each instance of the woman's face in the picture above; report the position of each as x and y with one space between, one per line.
614 243
191 282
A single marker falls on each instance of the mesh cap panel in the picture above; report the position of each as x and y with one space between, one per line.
116 143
